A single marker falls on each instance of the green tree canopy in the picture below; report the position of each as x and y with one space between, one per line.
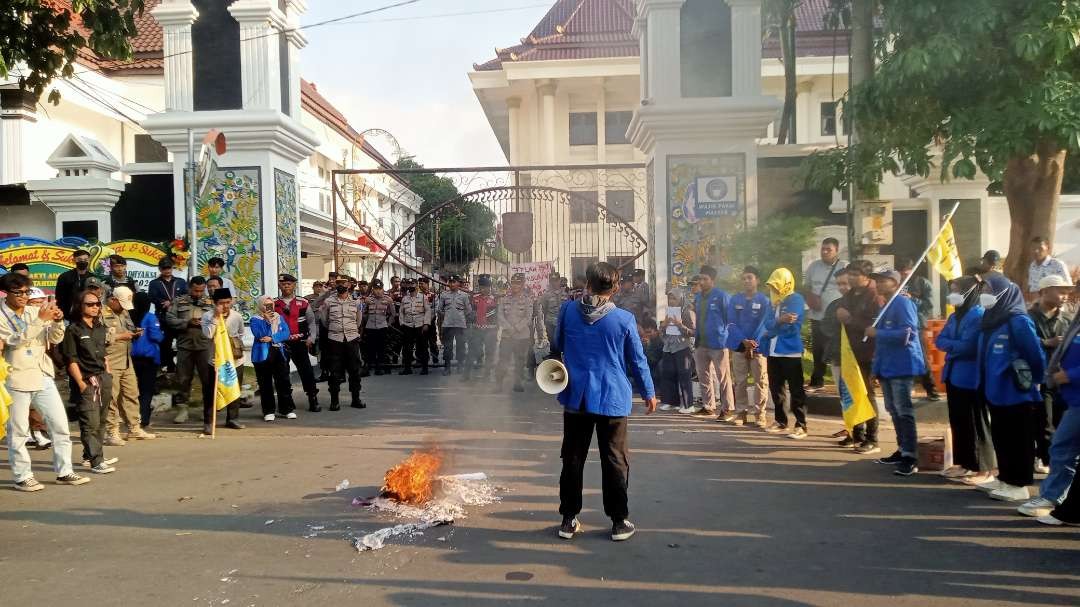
40 41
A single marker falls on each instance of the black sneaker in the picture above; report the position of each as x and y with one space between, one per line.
892 460
622 531
570 526
867 448
848 442
907 467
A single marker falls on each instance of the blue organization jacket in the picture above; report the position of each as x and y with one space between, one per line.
746 318
998 349
898 348
788 336
148 345
960 343
261 328
1070 364
710 311
596 358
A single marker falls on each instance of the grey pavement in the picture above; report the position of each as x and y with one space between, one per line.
726 516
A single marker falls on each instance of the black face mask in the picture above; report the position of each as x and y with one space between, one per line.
410 289
82 265
342 289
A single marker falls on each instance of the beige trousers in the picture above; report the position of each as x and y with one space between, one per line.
745 368
714 375
125 401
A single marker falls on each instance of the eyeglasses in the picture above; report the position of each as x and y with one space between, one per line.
19 293
92 304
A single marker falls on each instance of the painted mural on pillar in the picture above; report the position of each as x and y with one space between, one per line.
230 227
48 259
706 202
287 216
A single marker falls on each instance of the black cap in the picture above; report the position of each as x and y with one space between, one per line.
220 294
165 262
454 278
992 257
484 280
376 284
286 278
423 279
517 278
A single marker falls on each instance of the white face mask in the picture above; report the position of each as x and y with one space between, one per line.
955 299
988 300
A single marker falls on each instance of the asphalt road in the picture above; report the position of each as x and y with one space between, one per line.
726 516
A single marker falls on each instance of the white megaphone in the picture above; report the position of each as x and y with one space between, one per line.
551 376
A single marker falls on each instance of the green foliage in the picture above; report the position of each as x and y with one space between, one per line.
777 242
455 236
38 42
987 80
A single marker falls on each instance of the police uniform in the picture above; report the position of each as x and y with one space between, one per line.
299 314
483 334
341 316
517 319
195 351
454 308
432 336
415 322
125 387
378 318
549 305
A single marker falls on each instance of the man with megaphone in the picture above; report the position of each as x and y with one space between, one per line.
597 342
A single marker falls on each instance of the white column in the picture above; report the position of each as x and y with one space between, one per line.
513 110
13 121
297 42
745 47
601 123
662 44
260 20
176 17
803 112
547 93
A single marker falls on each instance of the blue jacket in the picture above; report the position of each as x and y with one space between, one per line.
788 336
898 347
746 318
960 343
710 312
998 348
147 345
260 328
1070 364
596 357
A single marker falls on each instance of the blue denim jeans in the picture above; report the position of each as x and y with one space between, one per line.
1064 454
897 391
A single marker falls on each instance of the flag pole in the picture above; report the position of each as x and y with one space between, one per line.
213 414
922 258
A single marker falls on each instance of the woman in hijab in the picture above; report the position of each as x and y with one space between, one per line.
973 451
271 364
783 345
1011 367
146 354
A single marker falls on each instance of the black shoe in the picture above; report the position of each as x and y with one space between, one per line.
933 397
848 442
405 372
357 403
335 404
322 378
867 448
892 460
235 425
570 526
424 371
446 371
907 467
313 403
622 531
246 404
207 430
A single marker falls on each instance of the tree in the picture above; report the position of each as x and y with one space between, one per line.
40 39
779 18
776 242
990 85
455 236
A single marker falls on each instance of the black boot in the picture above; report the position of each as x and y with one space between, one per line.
405 371
424 370
446 371
365 372
313 403
335 404
356 402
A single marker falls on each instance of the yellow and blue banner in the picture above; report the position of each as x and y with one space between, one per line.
227 383
944 255
854 397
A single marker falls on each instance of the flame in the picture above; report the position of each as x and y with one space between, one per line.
412 480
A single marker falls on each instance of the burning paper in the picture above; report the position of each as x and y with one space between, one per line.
411 481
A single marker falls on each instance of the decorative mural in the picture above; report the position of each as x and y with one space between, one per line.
230 227
287 215
706 202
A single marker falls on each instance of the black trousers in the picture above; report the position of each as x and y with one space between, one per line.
973 448
167 351
432 340
452 341
273 377
298 354
818 341
675 387
375 348
146 376
482 344
93 408
787 371
206 377
344 360
1012 428
614 465
1047 416
414 346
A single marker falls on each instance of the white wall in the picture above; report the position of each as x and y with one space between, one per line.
35 220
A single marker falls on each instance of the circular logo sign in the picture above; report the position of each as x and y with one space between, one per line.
716 189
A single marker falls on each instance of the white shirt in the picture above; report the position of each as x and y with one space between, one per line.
817 274
1049 267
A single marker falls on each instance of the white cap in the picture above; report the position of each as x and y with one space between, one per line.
125 297
36 293
1054 280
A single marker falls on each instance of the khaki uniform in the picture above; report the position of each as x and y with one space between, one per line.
548 306
415 320
379 314
518 321
125 386
195 351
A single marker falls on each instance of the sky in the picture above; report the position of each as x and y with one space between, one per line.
406 71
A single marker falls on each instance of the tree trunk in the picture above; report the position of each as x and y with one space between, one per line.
1032 187
788 56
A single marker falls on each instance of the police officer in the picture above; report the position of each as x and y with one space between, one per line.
518 321
484 330
550 303
341 316
379 314
195 351
120 333
415 324
423 285
454 308
303 331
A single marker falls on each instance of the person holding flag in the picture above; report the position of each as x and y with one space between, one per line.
857 311
224 327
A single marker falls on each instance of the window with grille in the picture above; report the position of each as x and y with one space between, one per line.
582 128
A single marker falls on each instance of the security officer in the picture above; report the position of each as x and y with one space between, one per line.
518 320
415 324
195 352
484 330
423 285
454 308
303 331
120 333
341 316
378 316
550 303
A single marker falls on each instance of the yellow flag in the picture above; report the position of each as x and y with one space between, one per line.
5 397
227 384
854 398
944 255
